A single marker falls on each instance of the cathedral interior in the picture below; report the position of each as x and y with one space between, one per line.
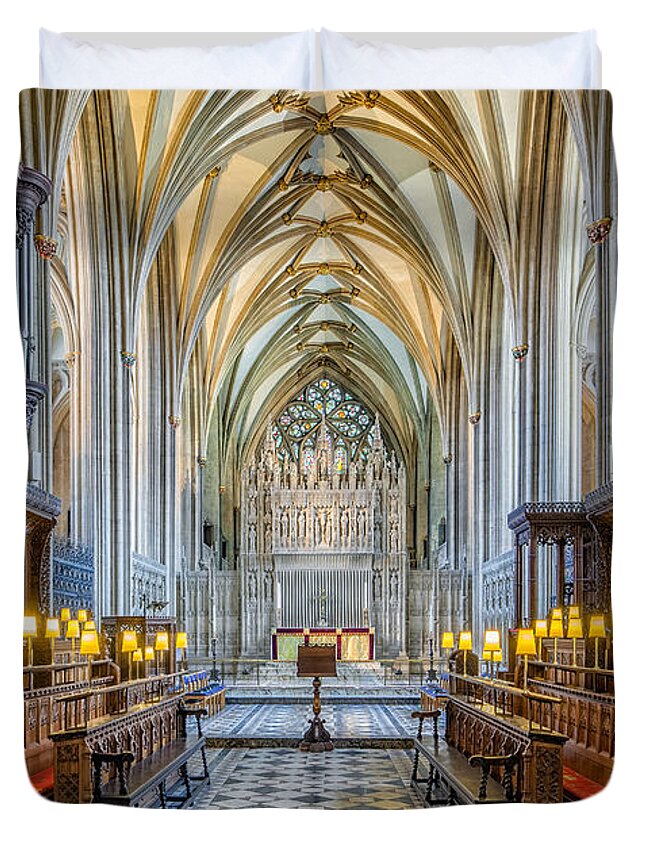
319 411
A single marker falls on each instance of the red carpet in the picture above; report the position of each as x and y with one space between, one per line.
578 787
43 781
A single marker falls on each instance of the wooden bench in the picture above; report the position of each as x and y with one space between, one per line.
454 779
146 782
199 691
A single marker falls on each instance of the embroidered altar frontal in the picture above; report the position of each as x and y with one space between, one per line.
352 644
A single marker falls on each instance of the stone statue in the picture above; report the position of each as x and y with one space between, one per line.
302 526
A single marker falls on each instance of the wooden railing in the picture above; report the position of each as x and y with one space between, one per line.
50 710
141 731
475 727
584 677
588 721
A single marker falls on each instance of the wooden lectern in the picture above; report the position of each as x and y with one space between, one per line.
316 661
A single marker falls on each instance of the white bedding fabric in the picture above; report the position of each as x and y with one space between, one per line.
566 62
290 62
285 62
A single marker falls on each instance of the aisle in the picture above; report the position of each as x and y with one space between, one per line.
287 778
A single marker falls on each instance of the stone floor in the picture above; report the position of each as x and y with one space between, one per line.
289 779
250 766
290 721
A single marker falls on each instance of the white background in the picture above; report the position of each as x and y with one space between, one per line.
607 821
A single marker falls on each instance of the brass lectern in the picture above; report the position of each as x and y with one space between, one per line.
316 661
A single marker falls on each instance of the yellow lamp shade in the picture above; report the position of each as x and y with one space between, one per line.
556 613
128 641
181 640
497 656
29 626
597 626
556 629
525 642
149 653
73 631
465 641
65 614
541 629
161 641
137 656
574 612
574 629
90 625
89 643
82 616
487 654
52 629
491 641
447 640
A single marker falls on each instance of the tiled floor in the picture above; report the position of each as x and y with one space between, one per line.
288 721
289 779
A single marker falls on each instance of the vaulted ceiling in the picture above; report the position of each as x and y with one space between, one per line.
341 232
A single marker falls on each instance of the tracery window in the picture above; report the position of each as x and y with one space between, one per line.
350 425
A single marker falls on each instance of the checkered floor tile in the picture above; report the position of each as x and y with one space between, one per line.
342 721
289 779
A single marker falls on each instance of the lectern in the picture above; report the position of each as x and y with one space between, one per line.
316 661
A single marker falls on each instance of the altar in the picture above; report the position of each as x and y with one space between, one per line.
352 644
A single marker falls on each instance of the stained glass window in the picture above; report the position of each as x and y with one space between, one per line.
349 423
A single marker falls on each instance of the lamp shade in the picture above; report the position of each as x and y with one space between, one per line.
149 653
555 628
525 642
574 612
556 613
82 616
497 656
491 641
128 641
52 629
73 631
574 628
597 626
161 641
29 626
137 656
487 654
447 640
465 641
65 614
90 625
541 629
181 640
89 643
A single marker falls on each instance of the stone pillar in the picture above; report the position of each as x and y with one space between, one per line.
533 580
519 583
559 586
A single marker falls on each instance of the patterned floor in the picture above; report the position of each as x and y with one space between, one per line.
289 721
289 779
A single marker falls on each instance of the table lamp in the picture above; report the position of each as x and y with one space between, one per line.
29 630
556 632
447 643
541 630
52 632
526 647
128 646
574 632
89 648
573 612
137 657
597 630
72 632
82 616
161 645
491 644
90 625
65 614
497 658
181 642
465 645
